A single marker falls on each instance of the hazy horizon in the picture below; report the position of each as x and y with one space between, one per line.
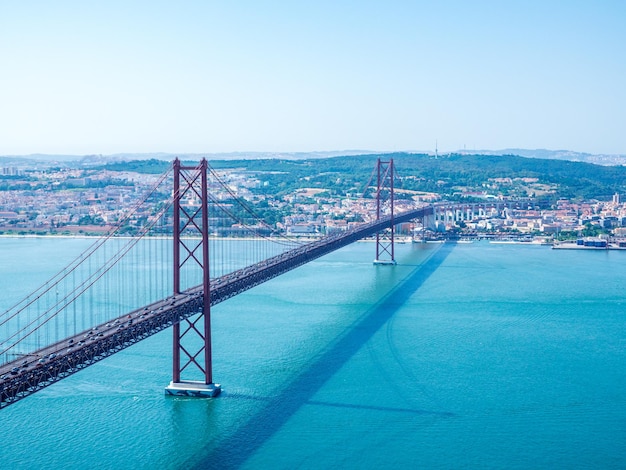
601 159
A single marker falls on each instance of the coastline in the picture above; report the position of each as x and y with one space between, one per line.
152 237
563 245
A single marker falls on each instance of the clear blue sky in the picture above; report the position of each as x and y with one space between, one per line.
85 77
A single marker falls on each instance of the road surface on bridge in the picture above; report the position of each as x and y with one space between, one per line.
34 371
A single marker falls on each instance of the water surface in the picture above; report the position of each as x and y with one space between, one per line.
475 356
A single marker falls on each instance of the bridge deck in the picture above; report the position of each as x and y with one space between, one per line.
46 366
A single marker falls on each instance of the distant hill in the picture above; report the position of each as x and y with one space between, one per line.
598 159
448 175
98 160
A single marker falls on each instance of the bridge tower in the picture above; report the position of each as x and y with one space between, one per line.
385 253
192 336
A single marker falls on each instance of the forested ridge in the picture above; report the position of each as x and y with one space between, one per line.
442 174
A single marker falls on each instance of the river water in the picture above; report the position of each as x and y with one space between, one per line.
461 356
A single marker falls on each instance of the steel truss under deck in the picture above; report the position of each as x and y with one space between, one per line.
189 311
107 339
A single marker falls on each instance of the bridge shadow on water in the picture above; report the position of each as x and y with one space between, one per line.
234 450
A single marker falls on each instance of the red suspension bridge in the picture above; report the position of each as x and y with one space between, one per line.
170 273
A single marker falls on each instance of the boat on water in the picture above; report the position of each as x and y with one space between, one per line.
429 240
512 241
587 243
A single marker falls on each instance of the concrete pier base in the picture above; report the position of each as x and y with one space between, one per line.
385 262
193 389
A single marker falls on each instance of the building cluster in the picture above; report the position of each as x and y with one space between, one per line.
92 201
11 171
511 217
572 217
70 201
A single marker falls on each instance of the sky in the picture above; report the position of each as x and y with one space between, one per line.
105 77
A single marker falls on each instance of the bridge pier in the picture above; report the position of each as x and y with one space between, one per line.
192 388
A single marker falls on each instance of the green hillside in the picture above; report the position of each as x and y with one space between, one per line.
452 176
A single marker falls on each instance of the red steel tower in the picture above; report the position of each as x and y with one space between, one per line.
192 336
385 199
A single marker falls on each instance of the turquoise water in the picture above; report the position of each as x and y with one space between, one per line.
461 356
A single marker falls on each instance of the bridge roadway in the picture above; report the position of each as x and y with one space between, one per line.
34 371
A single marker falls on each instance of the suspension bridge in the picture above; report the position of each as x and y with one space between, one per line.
163 267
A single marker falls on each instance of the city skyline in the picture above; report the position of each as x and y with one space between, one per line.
269 77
